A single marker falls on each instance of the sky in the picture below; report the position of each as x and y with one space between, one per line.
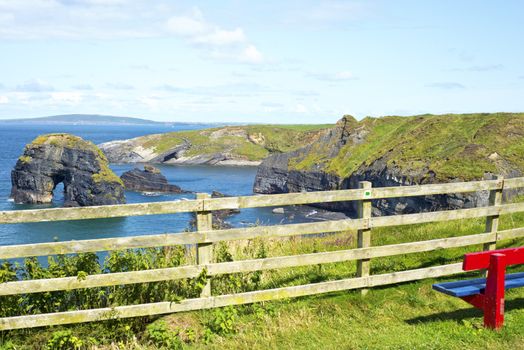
260 61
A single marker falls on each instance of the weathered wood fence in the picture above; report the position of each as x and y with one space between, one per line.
205 236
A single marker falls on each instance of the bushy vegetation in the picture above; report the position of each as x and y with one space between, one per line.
82 265
408 315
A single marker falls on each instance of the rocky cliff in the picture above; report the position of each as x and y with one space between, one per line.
63 158
148 180
393 151
231 145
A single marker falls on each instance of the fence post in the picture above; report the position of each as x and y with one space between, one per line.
492 222
204 251
364 235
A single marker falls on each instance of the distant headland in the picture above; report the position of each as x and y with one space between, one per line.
88 119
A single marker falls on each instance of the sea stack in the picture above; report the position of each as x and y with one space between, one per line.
63 158
148 180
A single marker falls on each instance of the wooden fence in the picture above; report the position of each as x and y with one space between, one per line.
205 236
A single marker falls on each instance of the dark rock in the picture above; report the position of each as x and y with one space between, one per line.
148 180
220 216
68 159
278 174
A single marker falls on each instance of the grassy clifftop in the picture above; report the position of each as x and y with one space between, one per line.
253 142
452 146
249 143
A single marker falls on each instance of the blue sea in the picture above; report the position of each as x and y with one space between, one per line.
229 180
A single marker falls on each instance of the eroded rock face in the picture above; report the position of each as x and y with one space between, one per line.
148 180
308 169
68 159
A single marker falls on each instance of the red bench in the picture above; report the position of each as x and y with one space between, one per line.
487 294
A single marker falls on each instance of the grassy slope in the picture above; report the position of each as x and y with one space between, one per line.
270 138
404 316
453 146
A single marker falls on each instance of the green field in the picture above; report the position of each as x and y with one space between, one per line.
404 316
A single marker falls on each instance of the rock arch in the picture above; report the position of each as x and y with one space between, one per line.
68 159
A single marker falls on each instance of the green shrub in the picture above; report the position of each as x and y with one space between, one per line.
64 340
161 336
8 345
223 320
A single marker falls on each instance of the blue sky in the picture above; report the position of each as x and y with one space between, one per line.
259 61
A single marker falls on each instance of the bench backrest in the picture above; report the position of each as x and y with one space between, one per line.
480 260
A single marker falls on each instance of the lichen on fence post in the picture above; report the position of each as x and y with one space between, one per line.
492 222
204 251
364 235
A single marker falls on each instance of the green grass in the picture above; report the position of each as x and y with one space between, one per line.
401 316
410 316
252 142
300 127
451 146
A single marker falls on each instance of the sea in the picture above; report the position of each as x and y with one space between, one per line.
230 180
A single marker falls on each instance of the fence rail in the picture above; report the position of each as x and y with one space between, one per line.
205 237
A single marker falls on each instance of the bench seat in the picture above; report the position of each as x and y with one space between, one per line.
477 286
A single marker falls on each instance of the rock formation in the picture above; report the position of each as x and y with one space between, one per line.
148 180
220 216
395 151
230 145
68 159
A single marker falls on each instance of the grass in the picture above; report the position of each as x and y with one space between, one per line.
409 316
402 316
253 142
62 140
25 159
300 127
464 146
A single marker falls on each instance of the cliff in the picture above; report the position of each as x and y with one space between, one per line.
63 158
231 145
392 151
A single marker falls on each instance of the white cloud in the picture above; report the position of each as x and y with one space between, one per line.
251 55
217 42
4 99
152 102
220 37
300 108
81 19
67 97
188 25
120 86
83 87
110 19
34 85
